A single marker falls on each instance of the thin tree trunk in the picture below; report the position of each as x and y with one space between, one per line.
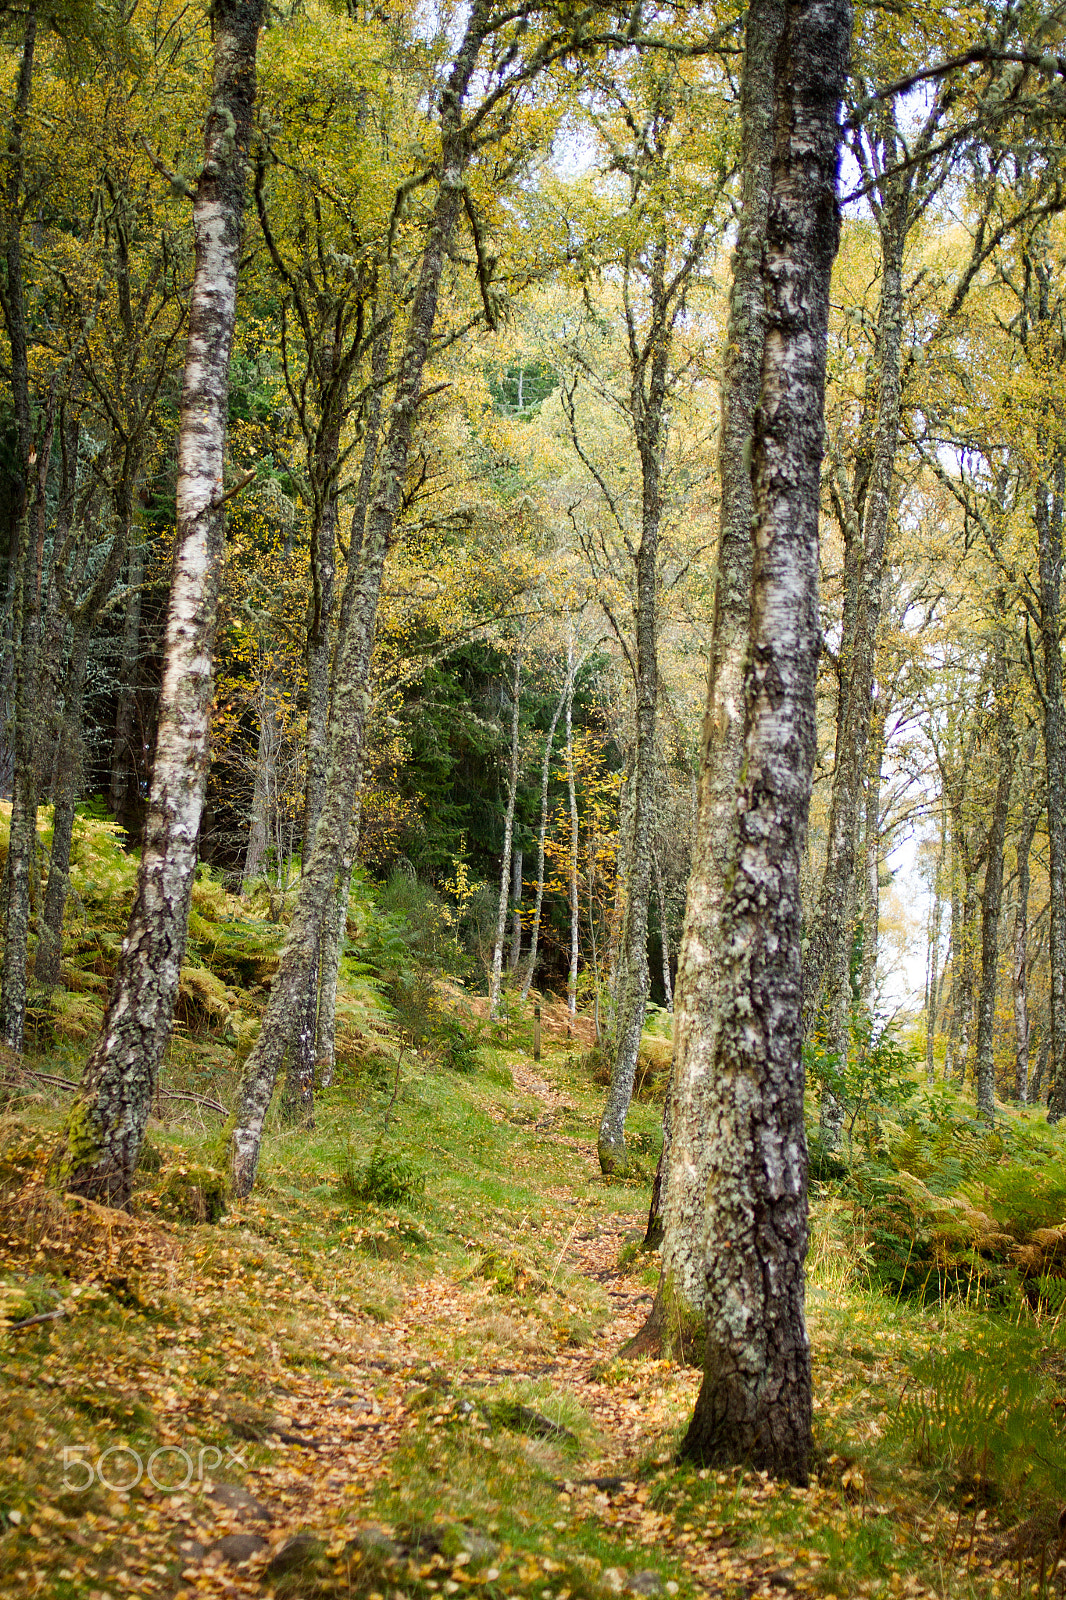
754 1405
932 987
50 937
616 952
496 975
992 893
298 1105
545 773
952 962
681 1295
575 906
336 921
1041 1067
355 641
827 987
516 911
264 783
105 1128
82 623
1049 513
22 843
964 1000
333 935
1020 969
872 897
647 400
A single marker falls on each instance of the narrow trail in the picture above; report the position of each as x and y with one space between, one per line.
337 1445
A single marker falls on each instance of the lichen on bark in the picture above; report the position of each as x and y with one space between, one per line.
754 1405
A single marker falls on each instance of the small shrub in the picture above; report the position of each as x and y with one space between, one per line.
388 1178
459 1048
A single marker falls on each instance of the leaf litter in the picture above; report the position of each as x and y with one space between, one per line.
363 1420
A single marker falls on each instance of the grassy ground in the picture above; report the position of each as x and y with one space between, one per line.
404 1350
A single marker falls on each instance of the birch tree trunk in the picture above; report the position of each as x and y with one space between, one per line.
1048 517
25 626
82 623
650 366
964 997
264 782
545 773
1020 970
358 617
22 838
336 920
515 954
105 1128
496 975
679 1303
754 1405
992 892
827 985
871 916
933 981
325 458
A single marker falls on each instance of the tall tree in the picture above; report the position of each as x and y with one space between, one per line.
652 121
754 1404
680 1299
105 1128
992 892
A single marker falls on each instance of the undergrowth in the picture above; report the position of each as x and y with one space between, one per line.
407 1268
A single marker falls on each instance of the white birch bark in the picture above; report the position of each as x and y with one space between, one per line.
682 1289
106 1125
754 1405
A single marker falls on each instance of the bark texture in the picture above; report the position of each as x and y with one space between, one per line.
1048 517
650 368
106 1126
685 1147
754 1404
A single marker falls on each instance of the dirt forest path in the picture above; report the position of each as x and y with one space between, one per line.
337 1444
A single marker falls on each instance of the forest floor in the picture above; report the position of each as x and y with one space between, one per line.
421 1394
